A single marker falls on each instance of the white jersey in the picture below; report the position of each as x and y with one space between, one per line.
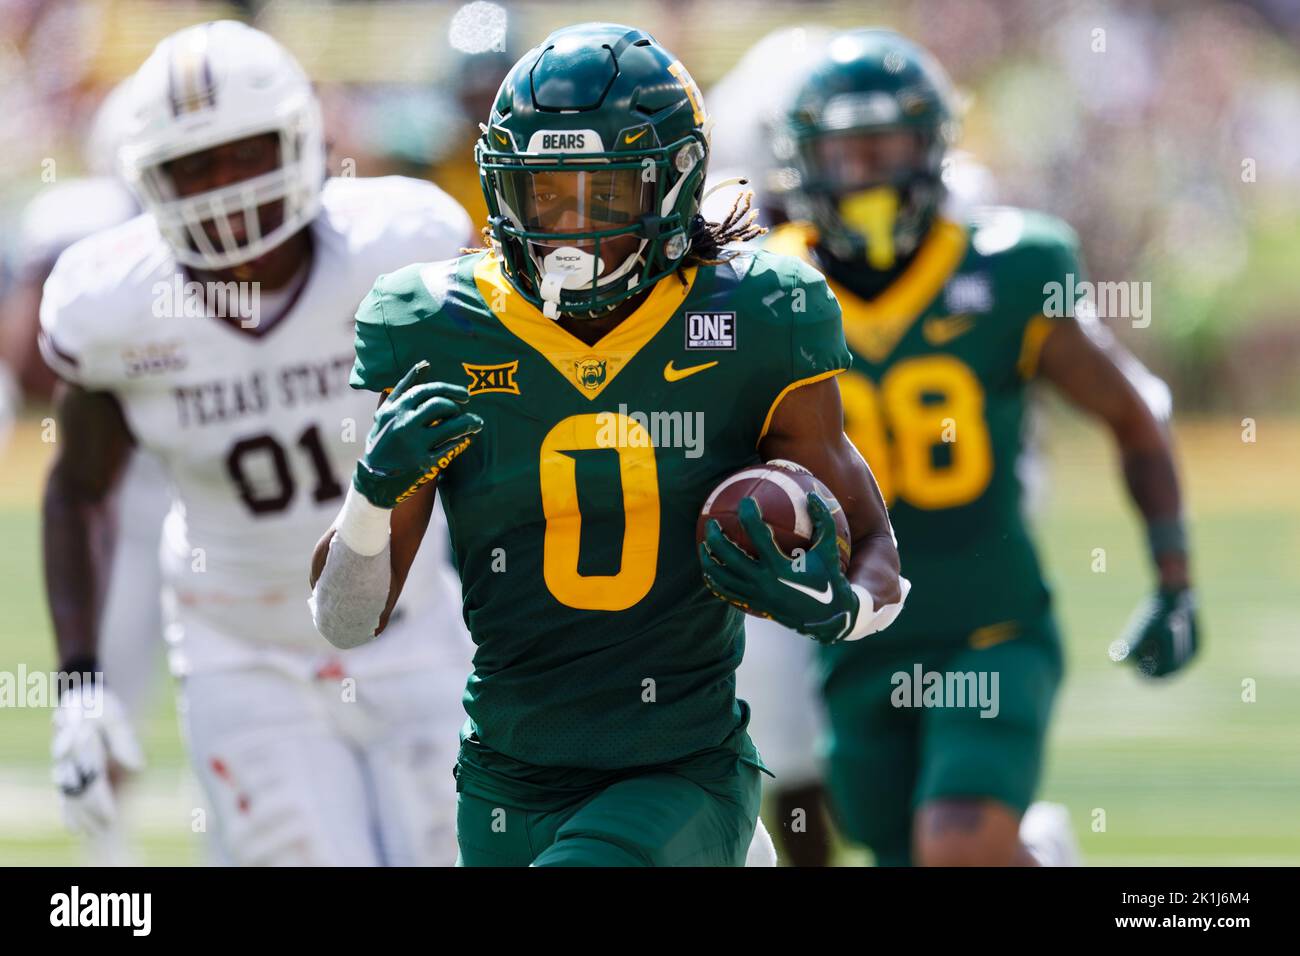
67 211
256 428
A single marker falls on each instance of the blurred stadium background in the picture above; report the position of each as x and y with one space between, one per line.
1170 140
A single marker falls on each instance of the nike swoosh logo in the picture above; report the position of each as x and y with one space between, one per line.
823 596
629 138
992 634
677 374
373 440
941 331
503 140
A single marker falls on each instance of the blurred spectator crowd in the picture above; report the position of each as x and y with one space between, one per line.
1167 132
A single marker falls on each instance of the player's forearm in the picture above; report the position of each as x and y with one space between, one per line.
874 565
1090 378
350 596
352 575
874 562
1152 481
78 524
77 536
1149 471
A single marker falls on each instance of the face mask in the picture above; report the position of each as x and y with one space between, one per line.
872 214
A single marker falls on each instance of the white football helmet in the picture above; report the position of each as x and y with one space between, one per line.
212 84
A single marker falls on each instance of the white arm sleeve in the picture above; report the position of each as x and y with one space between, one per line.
350 594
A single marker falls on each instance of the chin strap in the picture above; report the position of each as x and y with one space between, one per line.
552 282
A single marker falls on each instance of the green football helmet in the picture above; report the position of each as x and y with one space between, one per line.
597 145
870 204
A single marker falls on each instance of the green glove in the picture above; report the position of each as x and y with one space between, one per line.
418 430
808 594
1163 634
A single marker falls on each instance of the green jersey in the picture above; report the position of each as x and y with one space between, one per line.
572 513
936 403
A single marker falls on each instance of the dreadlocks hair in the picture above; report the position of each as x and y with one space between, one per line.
710 239
489 243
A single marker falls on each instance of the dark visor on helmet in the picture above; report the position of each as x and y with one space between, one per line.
569 202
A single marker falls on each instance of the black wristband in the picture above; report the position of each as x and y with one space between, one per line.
1166 536
87 667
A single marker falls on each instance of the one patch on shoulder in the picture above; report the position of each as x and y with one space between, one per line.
710 330
972 292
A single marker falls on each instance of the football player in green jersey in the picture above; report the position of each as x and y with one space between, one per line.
948 322
574 393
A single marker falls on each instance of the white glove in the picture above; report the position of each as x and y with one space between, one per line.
91 735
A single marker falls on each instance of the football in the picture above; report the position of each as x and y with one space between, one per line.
781 490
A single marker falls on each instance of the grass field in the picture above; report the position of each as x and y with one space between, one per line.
1185 773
